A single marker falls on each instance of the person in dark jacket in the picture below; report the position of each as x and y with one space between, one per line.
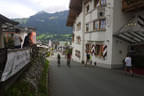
27 40
87 58
68 59
58 58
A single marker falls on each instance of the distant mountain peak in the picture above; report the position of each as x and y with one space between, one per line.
53 23
41 12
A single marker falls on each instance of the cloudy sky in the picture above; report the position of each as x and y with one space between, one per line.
26 8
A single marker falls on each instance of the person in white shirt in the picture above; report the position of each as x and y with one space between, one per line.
128 64
17 40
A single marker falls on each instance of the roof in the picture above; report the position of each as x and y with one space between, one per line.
26 29
75 9
133 32
4 19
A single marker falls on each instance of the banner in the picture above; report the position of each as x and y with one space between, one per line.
15 62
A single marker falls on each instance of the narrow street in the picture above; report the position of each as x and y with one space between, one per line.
89 81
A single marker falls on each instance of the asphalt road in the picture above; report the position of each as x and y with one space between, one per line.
91 81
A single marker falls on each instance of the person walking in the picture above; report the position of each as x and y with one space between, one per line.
58 59
17 40
68 59
128 64
27 40
87 58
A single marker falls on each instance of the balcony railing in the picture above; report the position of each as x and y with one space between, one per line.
132 5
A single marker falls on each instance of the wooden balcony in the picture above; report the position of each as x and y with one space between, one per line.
132 5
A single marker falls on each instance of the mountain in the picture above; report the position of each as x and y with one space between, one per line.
47 23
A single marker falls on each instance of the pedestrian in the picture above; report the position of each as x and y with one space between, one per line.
91 60
68 59
58 59
87 58
27 40
17 39
128 64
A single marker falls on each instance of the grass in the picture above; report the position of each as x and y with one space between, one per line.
21 88
59 37
43 89
41 36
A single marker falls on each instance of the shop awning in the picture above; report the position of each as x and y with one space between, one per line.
133 32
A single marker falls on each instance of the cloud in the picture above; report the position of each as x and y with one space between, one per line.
15 10
52 5
26 8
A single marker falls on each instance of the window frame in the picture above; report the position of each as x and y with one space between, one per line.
78 26
102 3
101 25
96 22
99 22
95 3
99 50
78 40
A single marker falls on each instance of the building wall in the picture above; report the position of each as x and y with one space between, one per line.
103 37
115 20
120 50
119 47
75 45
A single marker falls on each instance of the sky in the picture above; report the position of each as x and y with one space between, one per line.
26 8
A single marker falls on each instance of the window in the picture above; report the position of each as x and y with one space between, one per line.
95 3
78 38
99 50
79 26
103 2
99 25
96 25
87 27
103 24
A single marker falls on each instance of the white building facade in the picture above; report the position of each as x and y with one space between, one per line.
100 20
77 44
